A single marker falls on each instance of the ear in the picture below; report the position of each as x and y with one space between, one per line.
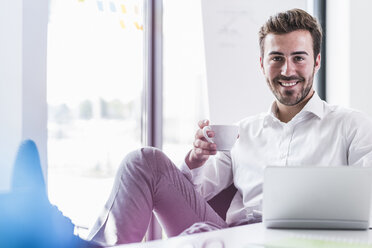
317 63
261 63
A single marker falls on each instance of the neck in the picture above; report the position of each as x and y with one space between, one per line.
286 113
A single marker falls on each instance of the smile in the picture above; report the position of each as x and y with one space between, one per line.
288 84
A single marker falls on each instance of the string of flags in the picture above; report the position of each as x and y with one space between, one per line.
124 9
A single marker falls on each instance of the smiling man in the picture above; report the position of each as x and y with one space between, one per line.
289 60
299 129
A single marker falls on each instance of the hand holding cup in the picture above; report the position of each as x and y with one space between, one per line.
225 136
208 140
202 148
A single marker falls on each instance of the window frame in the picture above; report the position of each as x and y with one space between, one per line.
152 112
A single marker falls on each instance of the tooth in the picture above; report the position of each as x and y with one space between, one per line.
288 84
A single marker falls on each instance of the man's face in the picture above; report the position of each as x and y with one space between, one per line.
288 65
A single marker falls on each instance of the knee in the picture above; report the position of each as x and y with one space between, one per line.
152 154
149 151
145 157
154 157
147 162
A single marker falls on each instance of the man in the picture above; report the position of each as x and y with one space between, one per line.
299 129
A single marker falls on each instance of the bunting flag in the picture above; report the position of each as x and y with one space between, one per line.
122 25
112 7
136 10
127 11
100 5
123 9
139 27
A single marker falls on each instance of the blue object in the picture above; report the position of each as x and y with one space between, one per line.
27 172
27 219
100 5
112 7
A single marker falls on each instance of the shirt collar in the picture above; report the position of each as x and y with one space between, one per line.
314 106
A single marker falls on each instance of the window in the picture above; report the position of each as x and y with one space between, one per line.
95 80
184 76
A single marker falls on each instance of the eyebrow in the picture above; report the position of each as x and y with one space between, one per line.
294 53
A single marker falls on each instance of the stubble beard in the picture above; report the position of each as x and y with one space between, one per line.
287 97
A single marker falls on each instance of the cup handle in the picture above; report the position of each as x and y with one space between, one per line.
205 129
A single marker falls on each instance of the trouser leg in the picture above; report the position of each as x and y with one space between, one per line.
147 180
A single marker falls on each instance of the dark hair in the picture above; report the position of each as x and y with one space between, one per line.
292 20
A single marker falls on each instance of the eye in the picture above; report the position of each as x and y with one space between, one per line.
299 58
277 58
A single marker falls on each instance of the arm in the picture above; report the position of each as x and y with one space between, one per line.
359 138
209 174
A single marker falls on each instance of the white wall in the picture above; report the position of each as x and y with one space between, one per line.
348 53
23 109
338 52
360 55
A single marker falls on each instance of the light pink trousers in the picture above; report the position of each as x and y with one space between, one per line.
148 181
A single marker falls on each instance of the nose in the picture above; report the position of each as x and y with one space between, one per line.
288 68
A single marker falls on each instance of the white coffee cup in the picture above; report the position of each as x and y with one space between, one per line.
224 136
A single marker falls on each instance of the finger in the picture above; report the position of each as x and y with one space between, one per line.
203 123
201 152
204 145
199 134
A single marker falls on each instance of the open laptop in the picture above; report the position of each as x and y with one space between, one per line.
317 197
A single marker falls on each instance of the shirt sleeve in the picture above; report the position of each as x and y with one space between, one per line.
213 177
359 137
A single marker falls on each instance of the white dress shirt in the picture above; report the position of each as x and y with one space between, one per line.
320 135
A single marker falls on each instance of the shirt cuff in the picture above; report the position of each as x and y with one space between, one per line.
190 174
